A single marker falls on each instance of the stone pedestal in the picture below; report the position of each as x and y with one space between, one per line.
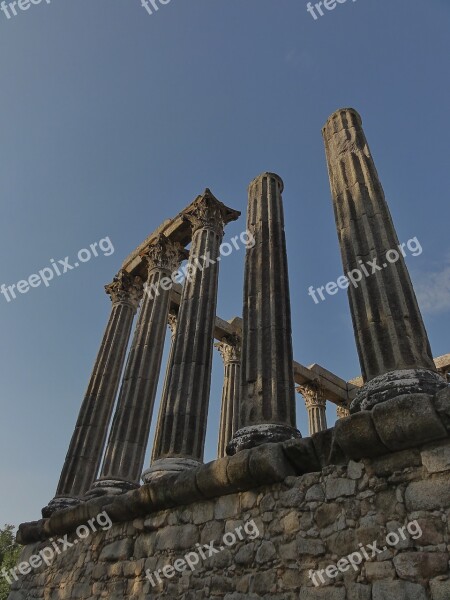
316 406
125 452
88 440
230 350
267 403
180 438
391 339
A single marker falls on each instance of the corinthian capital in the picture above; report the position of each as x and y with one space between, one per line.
313 395
164 254
126 289
206 213
230 348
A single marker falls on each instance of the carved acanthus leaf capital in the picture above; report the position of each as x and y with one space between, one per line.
206 213
342 411
164 254
125 288
230 348
172 320
313 395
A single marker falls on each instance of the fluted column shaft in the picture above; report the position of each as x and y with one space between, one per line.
267 402
389 330
172 323
316 405
88 440
180 438
230 349
125 452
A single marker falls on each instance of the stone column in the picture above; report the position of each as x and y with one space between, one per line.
88 440
392 343
172 323
230 350
179 441
342 411
125 452
267 403
316 406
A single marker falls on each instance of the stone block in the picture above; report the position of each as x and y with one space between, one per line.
329 593
437 459
226 507
312 547
407 421
174 537
268 464
440 590
376 571
202 512
145 545
302 455
357 591
266 552
430 494
238 471
117 551
185 488
212 479
392 463
339 487
398 590
421 566
358 438
327 448
441 402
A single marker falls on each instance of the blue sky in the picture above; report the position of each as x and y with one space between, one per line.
113 120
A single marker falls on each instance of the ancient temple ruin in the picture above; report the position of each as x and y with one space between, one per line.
316 495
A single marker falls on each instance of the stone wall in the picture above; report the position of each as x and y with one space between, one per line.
305 522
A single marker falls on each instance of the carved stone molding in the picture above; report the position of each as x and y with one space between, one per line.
342 411
125 288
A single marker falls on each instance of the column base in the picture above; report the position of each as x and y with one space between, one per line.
110 487
255 435
396 383
163 466
60 503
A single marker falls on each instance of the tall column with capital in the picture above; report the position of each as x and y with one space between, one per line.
125 452
392 342
88 440
230 350
267 402
180 439
316 405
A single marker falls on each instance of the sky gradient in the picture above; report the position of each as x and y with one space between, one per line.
113 120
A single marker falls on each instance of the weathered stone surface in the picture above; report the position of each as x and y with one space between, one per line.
212 479
302 455
323 594
407 421
177 537
428 495
398 590
268 464
421 566
117 551
441 403
394 462
436 459
440 590
339 487
358 437
327 449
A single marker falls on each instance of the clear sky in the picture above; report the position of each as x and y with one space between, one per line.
113 120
